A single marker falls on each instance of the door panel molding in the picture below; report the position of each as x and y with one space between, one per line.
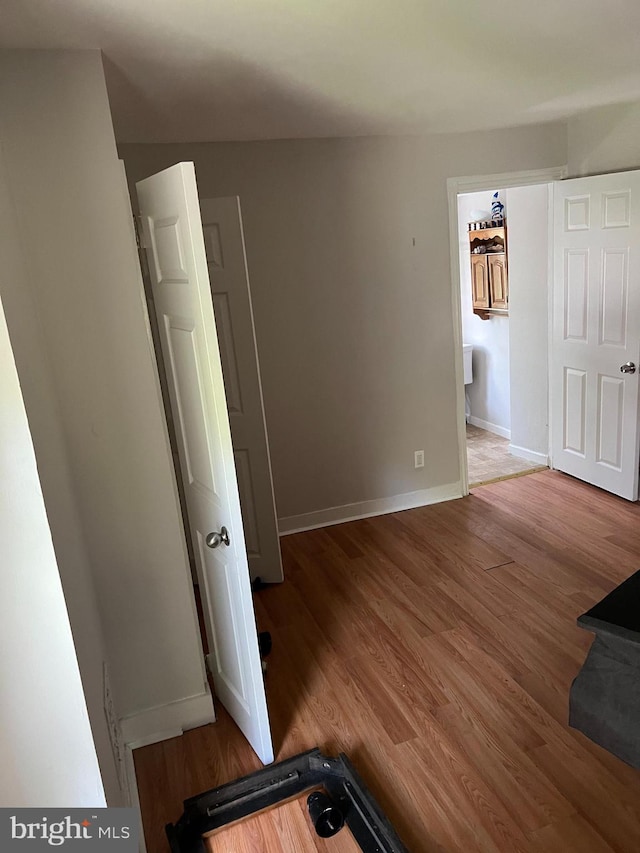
595 433
230 288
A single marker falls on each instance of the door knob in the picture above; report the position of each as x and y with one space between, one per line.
629 367
213 540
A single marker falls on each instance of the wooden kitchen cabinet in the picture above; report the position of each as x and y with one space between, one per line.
498 281
480 281
489 274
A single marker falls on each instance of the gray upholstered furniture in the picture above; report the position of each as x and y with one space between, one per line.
604 702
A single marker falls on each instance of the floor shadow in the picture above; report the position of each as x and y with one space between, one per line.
323 624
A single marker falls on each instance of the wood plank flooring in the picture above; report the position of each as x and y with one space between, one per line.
284 828
436 648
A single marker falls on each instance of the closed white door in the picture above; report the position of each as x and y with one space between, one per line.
596 331
229 277
173 237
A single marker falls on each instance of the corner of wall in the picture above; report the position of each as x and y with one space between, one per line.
604 139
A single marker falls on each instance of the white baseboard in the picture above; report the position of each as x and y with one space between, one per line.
167 721
154 725
367 509
531 455
494 428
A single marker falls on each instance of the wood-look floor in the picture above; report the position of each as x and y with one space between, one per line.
436 648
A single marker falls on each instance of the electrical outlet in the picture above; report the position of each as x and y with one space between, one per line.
418 459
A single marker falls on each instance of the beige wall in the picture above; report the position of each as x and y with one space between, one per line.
90 386
34 367
348 250
604 140
47 754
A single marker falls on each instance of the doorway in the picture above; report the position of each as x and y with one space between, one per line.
504 392
591 256
504 283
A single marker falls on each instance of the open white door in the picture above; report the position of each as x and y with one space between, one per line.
173 236
596 331
229 277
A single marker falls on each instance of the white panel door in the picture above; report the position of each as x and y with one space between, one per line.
229 277
596 331
173 236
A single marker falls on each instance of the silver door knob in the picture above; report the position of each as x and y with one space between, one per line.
629 367
213 540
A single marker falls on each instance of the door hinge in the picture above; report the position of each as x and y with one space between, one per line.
139 232
136 231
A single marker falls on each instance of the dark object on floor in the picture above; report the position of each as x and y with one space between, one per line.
604 702
326 817
257 584
277 783
264 643
618 612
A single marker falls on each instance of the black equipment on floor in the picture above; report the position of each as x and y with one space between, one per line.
345 798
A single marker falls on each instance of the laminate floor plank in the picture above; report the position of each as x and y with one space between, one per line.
468 792
436 647
574 833
554 524
461 547
591 789
287 827
527 546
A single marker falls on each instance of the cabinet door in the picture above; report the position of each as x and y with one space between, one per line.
498 281
479 281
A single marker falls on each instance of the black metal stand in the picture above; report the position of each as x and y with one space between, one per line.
272 785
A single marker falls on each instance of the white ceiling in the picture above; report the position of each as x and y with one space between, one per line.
199 70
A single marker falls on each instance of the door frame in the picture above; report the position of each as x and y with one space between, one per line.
455 187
